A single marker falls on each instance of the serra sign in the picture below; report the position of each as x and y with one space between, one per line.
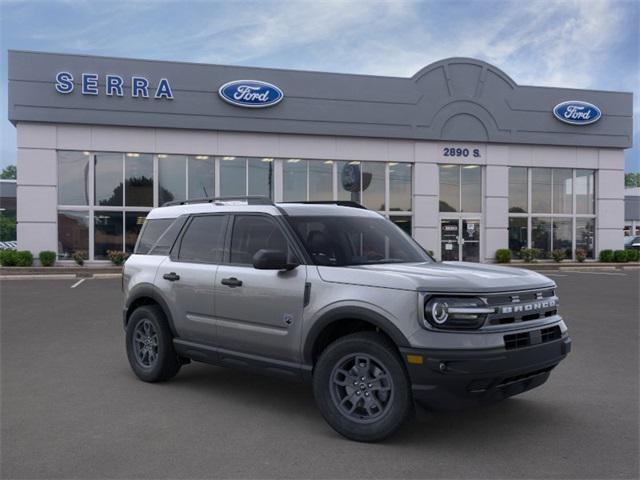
113 85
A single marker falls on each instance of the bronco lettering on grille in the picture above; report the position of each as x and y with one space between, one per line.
528 307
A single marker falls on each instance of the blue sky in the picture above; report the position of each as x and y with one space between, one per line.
566 43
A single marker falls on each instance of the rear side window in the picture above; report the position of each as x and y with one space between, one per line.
151 232
203 240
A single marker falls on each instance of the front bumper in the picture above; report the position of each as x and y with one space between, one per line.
450 379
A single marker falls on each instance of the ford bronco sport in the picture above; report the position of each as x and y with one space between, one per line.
339 296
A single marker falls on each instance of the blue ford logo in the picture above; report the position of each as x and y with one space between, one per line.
576 112
250 93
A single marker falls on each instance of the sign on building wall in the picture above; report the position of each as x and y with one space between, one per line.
576 112
114 85
250 93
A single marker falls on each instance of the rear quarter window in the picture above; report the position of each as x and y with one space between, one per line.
151 232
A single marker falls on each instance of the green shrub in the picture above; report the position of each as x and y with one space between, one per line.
606 256
558 255
503 255
620 256
24 258
8 258
47 258
117 257
529 254
581 254
80 256
633 255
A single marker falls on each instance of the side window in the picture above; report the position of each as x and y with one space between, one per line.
203 240
252 233
151 232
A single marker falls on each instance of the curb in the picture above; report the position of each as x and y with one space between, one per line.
60 276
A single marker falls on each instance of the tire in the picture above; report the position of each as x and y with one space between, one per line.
152 357
384 401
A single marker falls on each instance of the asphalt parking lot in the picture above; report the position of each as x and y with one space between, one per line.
71 408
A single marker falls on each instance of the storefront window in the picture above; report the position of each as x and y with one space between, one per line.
138 169
400 176
562 235
471 188
201 176
320 179
517 235
562 190
107 232
518 190
294 179
260 177
403 222
73 234
585 191
585 235
541 235
108 179
541 190
233 176
133 222
73 178
172 178
449 188
373 178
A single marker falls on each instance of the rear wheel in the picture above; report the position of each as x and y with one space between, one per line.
361 387
150 345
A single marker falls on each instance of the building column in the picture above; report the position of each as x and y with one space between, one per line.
426 193
496 210
36 190
610 200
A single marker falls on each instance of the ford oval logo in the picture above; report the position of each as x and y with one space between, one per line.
576 112
250 93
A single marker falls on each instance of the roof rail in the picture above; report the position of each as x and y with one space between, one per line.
340 203
251 200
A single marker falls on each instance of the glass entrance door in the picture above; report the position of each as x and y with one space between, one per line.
460 239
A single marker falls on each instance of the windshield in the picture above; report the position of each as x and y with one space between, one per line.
630 240
342 241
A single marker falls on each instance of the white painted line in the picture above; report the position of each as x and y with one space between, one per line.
598 273
553 274
78 283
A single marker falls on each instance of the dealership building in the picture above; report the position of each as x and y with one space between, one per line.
458 155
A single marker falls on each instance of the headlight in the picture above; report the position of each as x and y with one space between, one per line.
456 312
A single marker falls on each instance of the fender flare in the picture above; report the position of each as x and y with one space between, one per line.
356 313
148 290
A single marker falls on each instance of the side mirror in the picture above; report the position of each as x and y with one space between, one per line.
272 260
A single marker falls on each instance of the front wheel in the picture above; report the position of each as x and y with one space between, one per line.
361 387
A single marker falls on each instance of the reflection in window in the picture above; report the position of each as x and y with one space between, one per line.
541 190
400 186
73 178
320 180
518 190
233 177
585 235
294 180
562 235
108 179
107 233
349 178
449 188
585 191
260 177
138 169
517 235
201 173
404 222
171 177
471 188
541 235
373 193
133 222
562 190
73 233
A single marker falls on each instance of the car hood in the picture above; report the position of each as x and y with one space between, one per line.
464 277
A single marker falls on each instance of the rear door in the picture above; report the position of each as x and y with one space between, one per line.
187 277
259 312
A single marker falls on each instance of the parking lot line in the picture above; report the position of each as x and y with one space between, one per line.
78 283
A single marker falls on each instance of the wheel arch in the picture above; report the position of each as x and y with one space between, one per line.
147 294
331 321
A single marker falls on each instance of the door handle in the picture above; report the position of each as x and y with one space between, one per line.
231 282
172 277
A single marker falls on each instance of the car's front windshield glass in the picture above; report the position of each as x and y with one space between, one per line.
349 240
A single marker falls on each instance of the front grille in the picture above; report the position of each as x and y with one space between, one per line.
534 337
521 303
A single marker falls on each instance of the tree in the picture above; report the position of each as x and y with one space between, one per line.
632 180
9 172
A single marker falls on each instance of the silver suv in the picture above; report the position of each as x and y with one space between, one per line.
336 295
